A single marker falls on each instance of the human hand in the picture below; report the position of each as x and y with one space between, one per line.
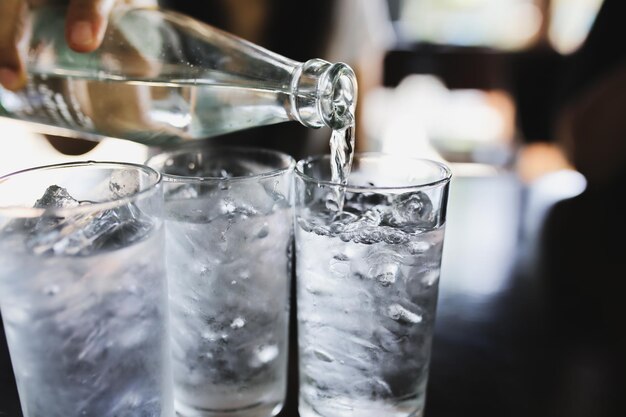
85 26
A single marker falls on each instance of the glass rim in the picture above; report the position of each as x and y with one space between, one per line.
32 212
172 178
445 177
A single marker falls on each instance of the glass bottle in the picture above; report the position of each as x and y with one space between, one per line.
160 78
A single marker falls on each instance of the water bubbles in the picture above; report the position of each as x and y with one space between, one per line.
267 353
263 355
339 268
51 290
238 323
417 247
264 231
227 206
208 335
411 209
403 315
332 204
341 257
431 277
395 237
323 356
386 274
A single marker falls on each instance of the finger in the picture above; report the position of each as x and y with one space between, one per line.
12 72
86 23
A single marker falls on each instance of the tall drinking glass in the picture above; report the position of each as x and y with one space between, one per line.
83 290
229 233
367 280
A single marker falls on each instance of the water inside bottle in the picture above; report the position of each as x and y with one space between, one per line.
154 112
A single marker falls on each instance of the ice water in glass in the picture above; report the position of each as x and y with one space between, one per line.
84 303
367 282
229 234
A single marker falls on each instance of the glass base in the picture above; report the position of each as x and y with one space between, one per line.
253 410
369 409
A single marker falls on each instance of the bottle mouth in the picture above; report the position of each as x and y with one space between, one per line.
337 96
324 94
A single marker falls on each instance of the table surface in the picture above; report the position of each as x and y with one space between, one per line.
522 327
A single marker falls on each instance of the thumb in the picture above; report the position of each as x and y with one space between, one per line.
12 15
86 23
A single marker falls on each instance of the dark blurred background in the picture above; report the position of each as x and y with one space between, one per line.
526 101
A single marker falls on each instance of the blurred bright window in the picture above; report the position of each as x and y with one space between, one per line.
570 22
502 24
506 24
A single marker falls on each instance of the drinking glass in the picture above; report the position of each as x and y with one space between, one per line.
83 290
367 277
229 240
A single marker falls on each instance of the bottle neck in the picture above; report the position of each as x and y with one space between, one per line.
324 94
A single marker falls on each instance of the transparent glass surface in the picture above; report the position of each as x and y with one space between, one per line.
367 282
229 237
83 290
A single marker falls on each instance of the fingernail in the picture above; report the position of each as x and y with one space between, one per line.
82 34
8 78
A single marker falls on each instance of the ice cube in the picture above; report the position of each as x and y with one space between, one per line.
411 209
361 202
124 182
56 197
84 233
